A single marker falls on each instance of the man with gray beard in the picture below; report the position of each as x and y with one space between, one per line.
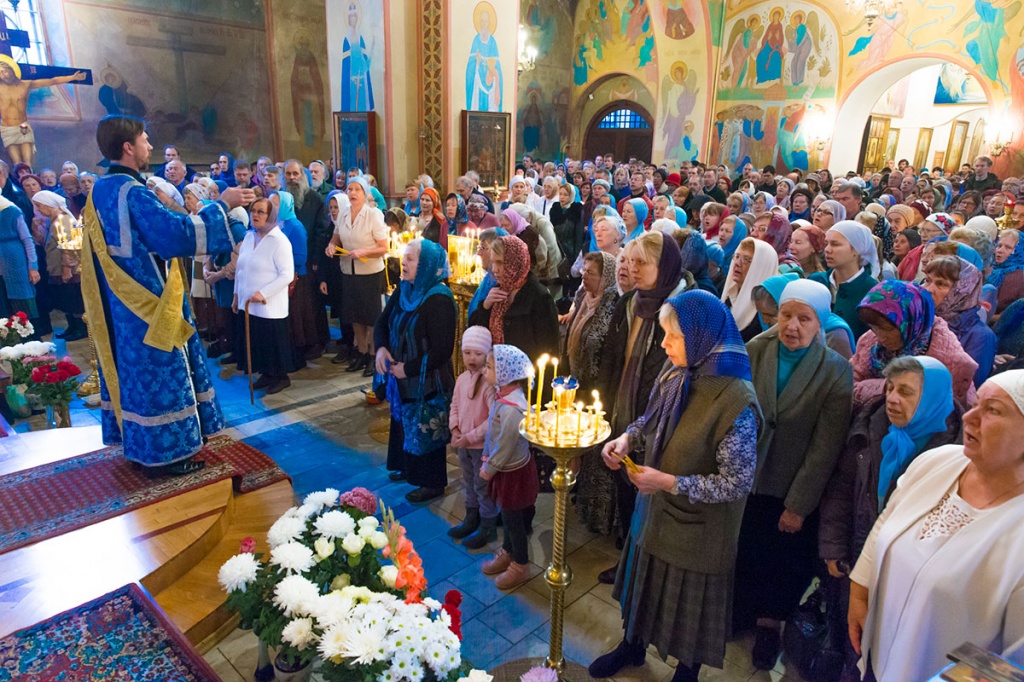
312 213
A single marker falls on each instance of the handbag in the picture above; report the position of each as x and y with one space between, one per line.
811 642
425 421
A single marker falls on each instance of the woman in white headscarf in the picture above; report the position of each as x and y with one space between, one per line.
754 262
944 563
197 195
63 266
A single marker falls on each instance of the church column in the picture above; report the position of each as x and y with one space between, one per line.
432 98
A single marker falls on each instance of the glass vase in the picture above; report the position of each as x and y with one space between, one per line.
58 416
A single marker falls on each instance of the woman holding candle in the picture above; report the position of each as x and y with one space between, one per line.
675 576
581 353
361 231
414 337
62 265
633 354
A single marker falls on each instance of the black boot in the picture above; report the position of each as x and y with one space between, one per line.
467 527
485 534
359 362
767 647
76 329
686 673
371 366
626 654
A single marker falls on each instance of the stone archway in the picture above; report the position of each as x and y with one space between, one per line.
622 89
860 98
634 139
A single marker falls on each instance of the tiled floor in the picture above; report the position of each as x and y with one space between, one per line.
317 430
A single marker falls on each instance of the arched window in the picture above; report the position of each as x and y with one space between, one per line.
25 15
623 118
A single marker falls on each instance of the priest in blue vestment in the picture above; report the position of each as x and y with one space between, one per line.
156 389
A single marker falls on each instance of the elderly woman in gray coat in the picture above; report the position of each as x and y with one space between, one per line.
805 391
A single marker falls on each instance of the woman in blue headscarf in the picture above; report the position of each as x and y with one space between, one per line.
1008 269
716 269
415 336
456 215
768 298
916 414
227 171
488 282
805 392
695 261
677 594
731 240
634 214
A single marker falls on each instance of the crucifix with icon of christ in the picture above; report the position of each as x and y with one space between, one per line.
16 81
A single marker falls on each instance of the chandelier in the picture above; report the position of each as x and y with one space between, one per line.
870 9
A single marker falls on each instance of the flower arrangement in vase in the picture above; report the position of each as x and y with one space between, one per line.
347 587
54 383
15 329
22 358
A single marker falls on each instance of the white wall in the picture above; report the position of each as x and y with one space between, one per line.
921 113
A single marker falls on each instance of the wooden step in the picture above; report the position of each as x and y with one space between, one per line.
159 543
195 601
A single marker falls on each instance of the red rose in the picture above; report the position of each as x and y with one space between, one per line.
248 546
52 378
10 322
62 375
39 375
21 316
69 368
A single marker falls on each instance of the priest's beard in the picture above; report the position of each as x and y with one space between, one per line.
298 191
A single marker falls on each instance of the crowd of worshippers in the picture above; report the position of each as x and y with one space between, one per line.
813 380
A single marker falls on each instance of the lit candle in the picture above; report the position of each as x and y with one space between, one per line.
540 385
558 412
554 364
529 386
579 421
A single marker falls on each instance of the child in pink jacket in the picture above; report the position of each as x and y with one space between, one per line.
471 405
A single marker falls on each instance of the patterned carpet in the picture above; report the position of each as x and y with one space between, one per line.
53 499
121 636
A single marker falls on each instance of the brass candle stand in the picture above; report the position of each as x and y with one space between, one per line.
563 431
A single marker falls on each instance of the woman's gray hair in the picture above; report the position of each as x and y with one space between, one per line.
903 365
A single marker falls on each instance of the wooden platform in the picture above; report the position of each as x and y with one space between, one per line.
174 547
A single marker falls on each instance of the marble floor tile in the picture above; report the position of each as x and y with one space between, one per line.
222 666
481 644
517 615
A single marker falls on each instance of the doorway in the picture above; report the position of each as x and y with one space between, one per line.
623 128
918 130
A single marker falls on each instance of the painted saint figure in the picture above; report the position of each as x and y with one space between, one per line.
483 69
989 29
802 38
679 97
356 87
677 22
769 58
580 66
742 44
15 131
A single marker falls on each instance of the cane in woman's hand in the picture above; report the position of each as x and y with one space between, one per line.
248 354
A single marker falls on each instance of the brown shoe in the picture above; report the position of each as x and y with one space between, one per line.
514 576
497 564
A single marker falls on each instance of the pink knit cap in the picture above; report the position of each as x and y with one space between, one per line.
477 338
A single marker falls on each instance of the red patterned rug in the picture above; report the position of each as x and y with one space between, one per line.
122 636
53 499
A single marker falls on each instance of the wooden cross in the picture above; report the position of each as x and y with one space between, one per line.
179 46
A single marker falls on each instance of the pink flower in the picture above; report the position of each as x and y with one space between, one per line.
361 499
539 674
248 546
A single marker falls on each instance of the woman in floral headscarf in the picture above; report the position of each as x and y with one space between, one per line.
779 234
456 215
519 311
955 286
1008 269
414 337
902 321
675 578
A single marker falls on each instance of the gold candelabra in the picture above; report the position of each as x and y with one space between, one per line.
69 238
463 262
91 384
564 430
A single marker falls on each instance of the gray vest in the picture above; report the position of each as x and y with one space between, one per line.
696 536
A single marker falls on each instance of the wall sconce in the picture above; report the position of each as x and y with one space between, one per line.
999 145
527 53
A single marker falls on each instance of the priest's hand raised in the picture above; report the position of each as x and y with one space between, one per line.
236 196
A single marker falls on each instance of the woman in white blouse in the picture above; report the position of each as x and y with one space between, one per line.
944 563
265 269
361 231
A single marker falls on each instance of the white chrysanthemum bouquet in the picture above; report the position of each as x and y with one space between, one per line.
14 329
342 585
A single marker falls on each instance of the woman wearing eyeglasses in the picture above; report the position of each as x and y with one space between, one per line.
828 214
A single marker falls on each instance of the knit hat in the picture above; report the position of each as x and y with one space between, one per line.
943 221
921 208
674 179
904 212
877 209
985 225
477 338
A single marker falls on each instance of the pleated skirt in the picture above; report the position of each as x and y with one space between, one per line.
683 613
